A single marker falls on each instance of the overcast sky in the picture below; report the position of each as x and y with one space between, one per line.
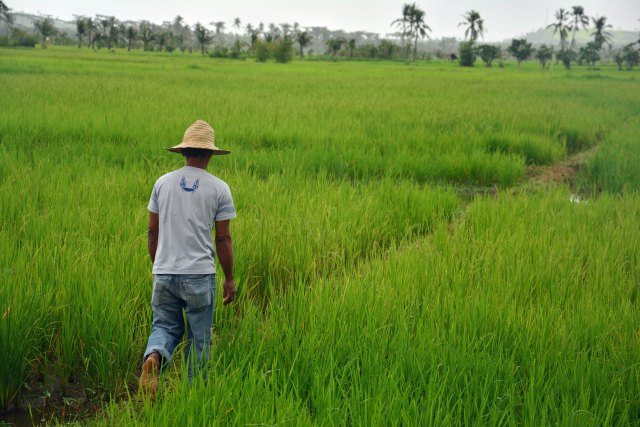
503 19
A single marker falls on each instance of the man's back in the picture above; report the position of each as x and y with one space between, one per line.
188 202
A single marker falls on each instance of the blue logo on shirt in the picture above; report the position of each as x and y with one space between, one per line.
183 185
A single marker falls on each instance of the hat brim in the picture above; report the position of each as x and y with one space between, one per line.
216 152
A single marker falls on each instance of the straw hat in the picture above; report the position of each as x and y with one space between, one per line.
199 135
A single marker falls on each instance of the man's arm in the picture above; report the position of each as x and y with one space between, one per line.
224 250
154 231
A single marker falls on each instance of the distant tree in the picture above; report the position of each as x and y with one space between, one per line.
488 53
403 23
601 35
253 34
113 32
91 30
630 56
467 54
474 24
130 35
282 50
273 34
262 50
303 38
164 38
180 32
520 49
351 45
219 27
387 49
334 45
566 57
203 37
417 27
46 29
147 35
544 54
286 29
580 20
237 24
5 15
589 54
81 29
561 27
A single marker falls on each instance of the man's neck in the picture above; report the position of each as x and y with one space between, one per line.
198 163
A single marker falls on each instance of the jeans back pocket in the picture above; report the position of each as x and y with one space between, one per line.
199 291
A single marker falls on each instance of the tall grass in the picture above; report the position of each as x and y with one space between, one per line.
506 319
614 167
359 302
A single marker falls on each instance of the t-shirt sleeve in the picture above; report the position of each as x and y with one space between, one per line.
226 210
153 201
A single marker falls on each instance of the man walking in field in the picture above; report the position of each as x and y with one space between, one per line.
185 206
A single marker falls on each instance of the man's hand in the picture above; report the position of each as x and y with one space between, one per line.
228 291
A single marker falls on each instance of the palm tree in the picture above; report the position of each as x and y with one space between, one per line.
303 38
351 44
5 15
237 24
561 27
475 25
46 29
579 20
219 26
601 35
81 29
130 35
286 28
403 22
418 28
253 34
113 31
91 29
334 45
203 36
146 34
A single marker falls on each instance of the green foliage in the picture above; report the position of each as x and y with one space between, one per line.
614 168
566 57
262 50
543 54
629 56
520 49
283 50
19 38
589 54
370 293
488 53
203 37
46 29
467 54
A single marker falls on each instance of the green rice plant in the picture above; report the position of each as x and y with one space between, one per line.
367 296
506 319
614 167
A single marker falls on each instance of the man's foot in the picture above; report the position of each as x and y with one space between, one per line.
149 376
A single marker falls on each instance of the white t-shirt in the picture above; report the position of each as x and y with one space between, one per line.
188 202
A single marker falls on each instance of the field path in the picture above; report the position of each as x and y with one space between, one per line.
561 172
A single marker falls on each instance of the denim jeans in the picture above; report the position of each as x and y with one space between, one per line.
173 293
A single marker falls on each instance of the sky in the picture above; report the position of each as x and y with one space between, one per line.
503 19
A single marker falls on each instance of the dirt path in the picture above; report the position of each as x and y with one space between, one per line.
561 172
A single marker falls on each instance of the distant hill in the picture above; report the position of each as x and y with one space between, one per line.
545 35
25 22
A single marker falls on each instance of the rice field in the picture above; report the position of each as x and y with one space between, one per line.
394 265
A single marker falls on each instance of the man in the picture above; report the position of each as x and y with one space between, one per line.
185 206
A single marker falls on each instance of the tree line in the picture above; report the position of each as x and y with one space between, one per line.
567 23
280 41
